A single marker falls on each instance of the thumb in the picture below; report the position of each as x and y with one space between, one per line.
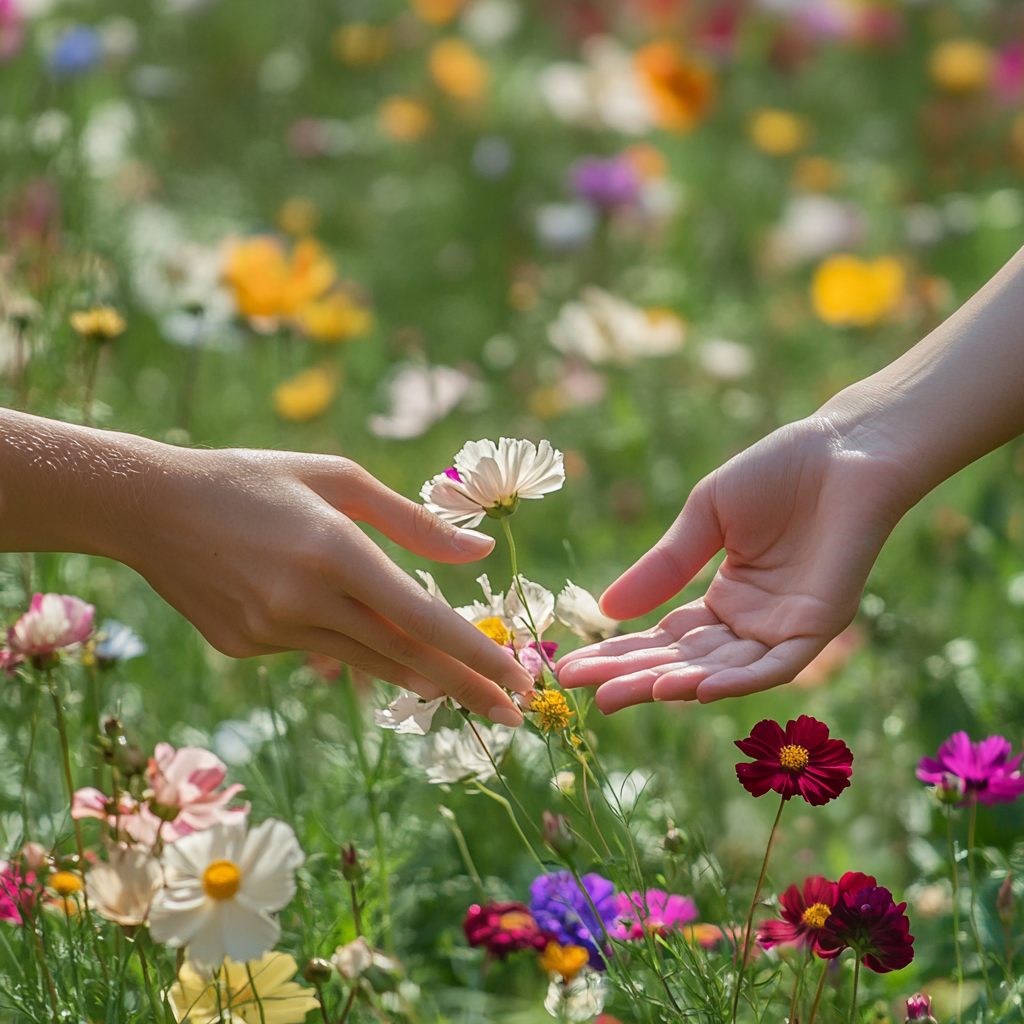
660 574
413 527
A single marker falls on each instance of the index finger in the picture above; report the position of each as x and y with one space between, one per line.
364 572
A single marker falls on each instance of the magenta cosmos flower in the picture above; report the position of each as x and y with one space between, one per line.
504 928
870 923
981 769
654 911
805 910
52 623
800 761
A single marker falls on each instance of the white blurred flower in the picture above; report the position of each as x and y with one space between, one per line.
603 92
408 714
489 479
419 397
603 328
578 609
581 1000
562 226
451 755
117 642
490 22
355 958
813 226
122 888
726 360
222 885
510 610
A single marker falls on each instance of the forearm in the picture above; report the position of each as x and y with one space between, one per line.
70 488
955 396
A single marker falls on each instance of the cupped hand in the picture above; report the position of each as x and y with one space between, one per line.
802 516
261 552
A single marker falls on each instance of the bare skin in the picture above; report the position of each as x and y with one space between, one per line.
803 514
259 550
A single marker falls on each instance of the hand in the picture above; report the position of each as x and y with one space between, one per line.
802 516
261 552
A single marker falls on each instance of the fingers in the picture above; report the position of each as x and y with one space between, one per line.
406 523
780 665
660 574
361 570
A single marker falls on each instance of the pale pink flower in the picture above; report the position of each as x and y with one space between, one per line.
129 818
52 623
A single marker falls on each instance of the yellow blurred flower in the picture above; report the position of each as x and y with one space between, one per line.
306 395
203 1000
334 317
65 883
680 89
101 323
298 216
567 961
404 119
816 174
437 12
361 45
267 283
777 132
458 71
961 66
847 291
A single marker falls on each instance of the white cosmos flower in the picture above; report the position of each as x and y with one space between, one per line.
408 714
419 397
489 479
222 885
602 328
451 755
122 888
726 360
582 999
509 609
578 609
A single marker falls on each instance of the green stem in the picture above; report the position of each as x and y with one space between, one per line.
356 916
518 584
954 868
512 817
750 915
348 1005
41 953
796 988
974 887
92 365
817 993
153 1003
255 993
460 841
856 981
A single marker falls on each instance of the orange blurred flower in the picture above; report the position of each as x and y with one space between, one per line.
961 66
334 317
404 119
681 90
268 283
437 12
648 161
847 291
299 216
458 71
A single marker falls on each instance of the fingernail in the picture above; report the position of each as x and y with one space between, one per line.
473 542
521 682
505 716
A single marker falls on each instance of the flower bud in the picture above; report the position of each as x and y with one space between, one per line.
951 790
675 840
129 758
1005 902
318 971
557 834
919 1007
351 869
112 727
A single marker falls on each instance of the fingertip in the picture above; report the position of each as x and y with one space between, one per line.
471 545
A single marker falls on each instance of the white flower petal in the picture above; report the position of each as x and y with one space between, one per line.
247 934
578 609
271 856
176 926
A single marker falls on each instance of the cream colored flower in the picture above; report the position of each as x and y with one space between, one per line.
419 397
489 479
228 995
451 755
581 999
355 958
408 714
578 609
222 887
122 888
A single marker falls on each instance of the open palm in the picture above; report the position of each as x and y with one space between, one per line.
802 516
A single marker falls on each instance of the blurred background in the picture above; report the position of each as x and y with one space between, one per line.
649 231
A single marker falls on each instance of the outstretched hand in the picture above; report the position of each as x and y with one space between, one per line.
802 516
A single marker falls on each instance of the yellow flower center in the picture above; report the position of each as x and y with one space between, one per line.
65 883
551 709
794 758
515 919
495 629
221 879
816 915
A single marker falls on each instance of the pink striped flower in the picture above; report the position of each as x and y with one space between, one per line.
53 622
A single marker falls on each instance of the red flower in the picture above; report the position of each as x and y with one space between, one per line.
802 761
870 923
504 928
804 913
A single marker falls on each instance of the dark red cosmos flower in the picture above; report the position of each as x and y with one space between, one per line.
805 912
802 761
504 928
870 923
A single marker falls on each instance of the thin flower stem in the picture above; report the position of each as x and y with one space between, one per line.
92 362
153 1005
42 962
512 817
974 888
856 981
467 859
750 916
590 809
348 1005
497 770
357 917
255 993
817 994
954 868
320 1000
796 988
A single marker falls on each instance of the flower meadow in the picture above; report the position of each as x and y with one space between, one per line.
543 266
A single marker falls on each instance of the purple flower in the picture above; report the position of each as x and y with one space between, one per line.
606 183
981 769
560 906
873 925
